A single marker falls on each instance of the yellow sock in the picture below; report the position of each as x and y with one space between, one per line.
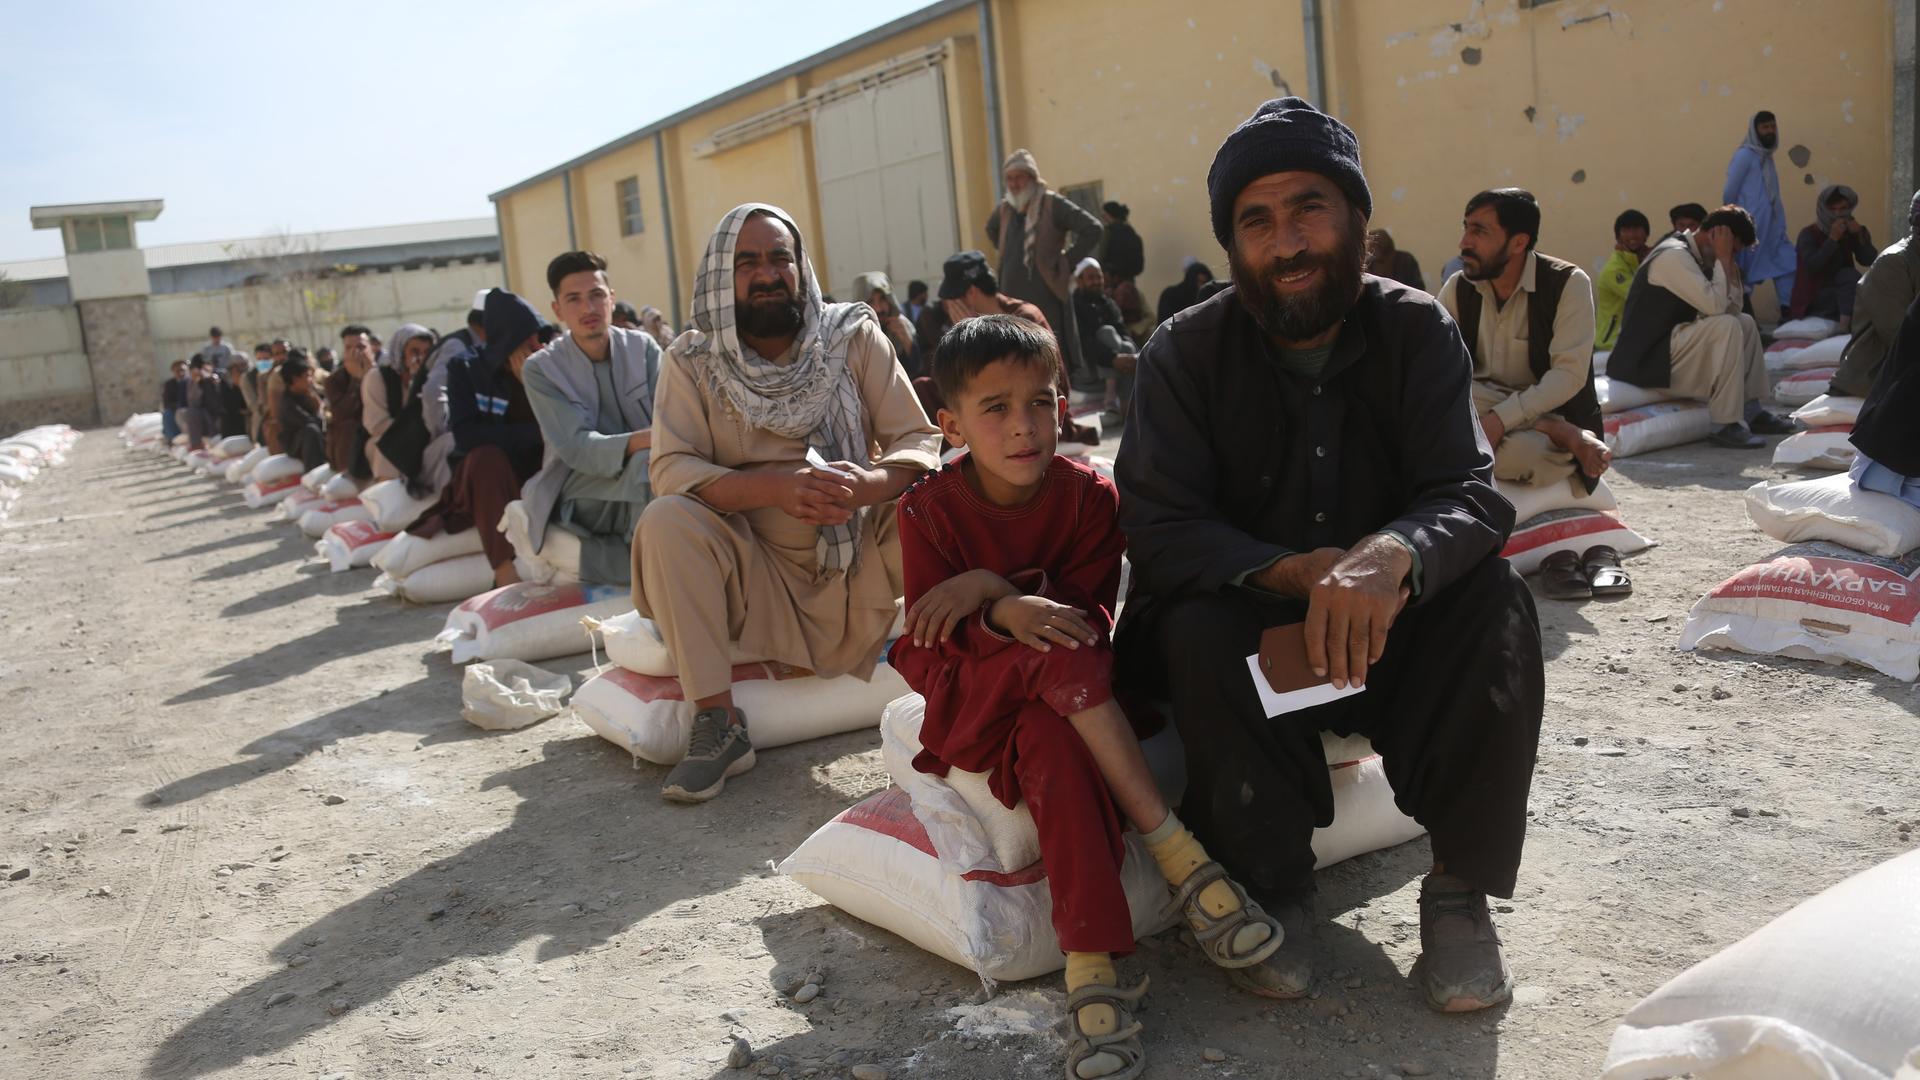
1179 854
1087 969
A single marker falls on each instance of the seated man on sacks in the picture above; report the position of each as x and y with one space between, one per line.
1527 318
1825 277
1880 302
1889 457
745 542
1012 563
592 392
302 432
1304 450
496 438
389 392
1682 330
346 435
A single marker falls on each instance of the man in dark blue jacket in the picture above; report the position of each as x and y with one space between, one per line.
496 440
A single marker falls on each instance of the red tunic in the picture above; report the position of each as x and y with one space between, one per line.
1065 544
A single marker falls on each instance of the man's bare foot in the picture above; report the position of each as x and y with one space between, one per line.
505 574
1588 449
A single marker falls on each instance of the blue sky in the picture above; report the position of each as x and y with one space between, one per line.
250 118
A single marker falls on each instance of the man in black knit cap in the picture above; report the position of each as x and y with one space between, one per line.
1304 450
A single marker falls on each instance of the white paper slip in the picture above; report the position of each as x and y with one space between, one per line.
1276 703
815 459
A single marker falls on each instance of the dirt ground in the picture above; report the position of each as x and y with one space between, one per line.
186 686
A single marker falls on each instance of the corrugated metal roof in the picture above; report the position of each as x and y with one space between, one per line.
161 256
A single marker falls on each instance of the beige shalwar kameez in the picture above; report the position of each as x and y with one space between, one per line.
709 578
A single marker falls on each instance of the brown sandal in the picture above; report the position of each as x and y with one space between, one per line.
1601 566
1563 578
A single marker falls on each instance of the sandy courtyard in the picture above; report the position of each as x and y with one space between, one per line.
185 687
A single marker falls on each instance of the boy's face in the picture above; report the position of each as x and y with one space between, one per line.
300 385
1008 415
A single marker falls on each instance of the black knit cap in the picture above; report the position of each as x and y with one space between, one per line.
1284 135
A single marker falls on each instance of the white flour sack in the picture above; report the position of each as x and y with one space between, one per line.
409 553
317 517
352 544
635 643
296 504
444 582
1835 509
878 862
1531 500
1811 328
1827 991
242 470
316 478
648 717
1816 602
1803 386
1572 530
341 486
232 446
1829 409
1823 353
392 507
1829 449
276 468
1616 396
529 622
1656 427
261 494
558 560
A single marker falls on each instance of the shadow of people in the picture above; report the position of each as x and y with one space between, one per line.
361 628
1561 622
1698 465
264 535
557 873
311 579
888 1003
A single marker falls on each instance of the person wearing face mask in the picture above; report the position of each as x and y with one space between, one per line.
746 542
592 392
1042 236
496 437
1880 302
1753 184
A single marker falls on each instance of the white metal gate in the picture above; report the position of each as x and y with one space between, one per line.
886 183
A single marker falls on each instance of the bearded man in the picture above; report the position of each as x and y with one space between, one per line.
747 548
1042 236
1304 449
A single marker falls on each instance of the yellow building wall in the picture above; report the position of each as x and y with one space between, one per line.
1138 96
533 229
1597 107
637 264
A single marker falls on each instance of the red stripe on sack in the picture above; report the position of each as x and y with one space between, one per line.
667 688
1584 524
336 505
511 603
890 813
358 533
277 485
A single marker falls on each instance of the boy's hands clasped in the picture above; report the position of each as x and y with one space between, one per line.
1034 621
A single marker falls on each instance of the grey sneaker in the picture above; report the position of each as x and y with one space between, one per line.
1288 973
1460 967
716 750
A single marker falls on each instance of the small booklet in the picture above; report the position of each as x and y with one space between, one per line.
1282 678
818 461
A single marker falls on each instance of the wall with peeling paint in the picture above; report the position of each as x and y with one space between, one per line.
1598 106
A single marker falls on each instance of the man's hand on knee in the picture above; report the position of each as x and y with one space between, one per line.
1353 605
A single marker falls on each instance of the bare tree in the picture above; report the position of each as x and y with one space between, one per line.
13 293
302 282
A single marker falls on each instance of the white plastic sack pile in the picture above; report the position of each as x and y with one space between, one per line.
1827 991
341 486
1616 396
316 518
1830 409
296 504
1560 517
558 560
142 430
392 507
316 478
529 622
444 569
1816 602
233 446
264 493
1811 328
352 544
241 471
1657 427
1824 353
649 717
502 695
635 643
1835 509
1827 449
1802 387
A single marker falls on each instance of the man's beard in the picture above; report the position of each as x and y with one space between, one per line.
764 320
1487 271
1023 199
1769 141
1304 316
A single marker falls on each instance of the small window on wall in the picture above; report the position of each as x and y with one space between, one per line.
1087 196
112 233
631 223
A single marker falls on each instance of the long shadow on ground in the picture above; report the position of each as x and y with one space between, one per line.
555 872
361 628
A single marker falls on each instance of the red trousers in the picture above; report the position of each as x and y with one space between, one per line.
483 483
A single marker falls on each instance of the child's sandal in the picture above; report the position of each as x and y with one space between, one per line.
1216 935
1123 1042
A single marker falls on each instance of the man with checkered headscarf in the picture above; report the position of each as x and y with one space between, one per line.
783 432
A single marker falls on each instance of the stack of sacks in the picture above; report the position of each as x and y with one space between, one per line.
1827 444
442 570
317 517
316 478
201 461
352 544
272 480
231 447
1804 356
1825 991
1640 421
296 504
24 455
340 486
558 560
939 861
242 470
390 505
1806 331
1843 592
142 431
530 622
1800 387
637 704
1564 516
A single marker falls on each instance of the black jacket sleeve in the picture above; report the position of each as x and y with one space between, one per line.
472 426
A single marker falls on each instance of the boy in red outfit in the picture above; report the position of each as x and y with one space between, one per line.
1012 562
